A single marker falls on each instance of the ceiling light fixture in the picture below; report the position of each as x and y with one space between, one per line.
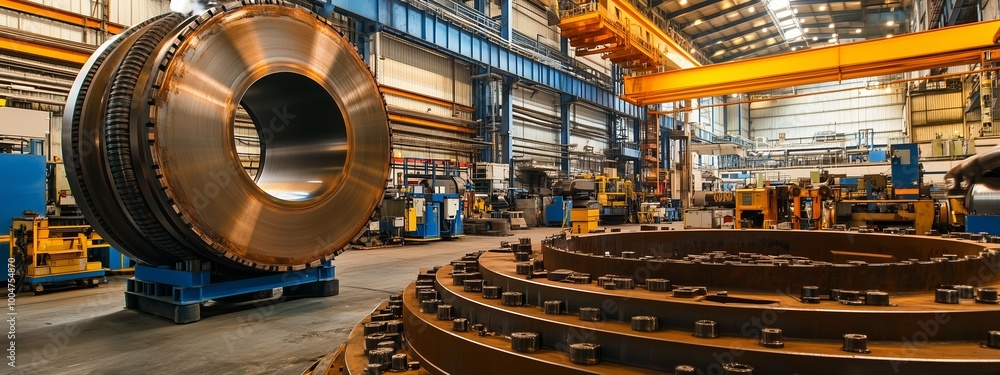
683 2
752 9
777 4
822 8
815 38
832 26
888 36
697 22
787 24
857 31
890 23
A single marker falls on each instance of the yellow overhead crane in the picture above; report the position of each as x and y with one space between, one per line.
620 32
950 46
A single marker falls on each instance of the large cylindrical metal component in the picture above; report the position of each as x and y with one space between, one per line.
983 197
714 199
150 150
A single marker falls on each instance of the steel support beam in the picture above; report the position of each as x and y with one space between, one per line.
507 123
905 53
723 12
61 15
565 105
474 45
711 44
686 10
506 12
727 26
39 48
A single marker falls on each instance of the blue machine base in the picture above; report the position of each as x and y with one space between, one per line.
63 278
178 295
979 224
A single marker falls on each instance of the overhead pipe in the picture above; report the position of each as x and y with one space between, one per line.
57 103
52 83
429 124
34 65
396 110
459 139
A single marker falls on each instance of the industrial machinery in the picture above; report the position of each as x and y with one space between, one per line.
23 190
906 171
585 211
388 224
747 302
493 181
435 192
760 207
618 199
977 181
557 210
899 200
55 251
711 210
807 206
154 168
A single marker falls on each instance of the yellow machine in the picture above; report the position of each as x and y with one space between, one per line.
55 254
756 207
584 219
616 196
918 214
951 213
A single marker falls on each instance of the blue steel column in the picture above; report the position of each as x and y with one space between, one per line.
507 123
507 10
665 127
636 136
482 94
565 103
480 5
614 144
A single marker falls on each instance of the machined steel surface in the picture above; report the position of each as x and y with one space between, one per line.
848 328
150 152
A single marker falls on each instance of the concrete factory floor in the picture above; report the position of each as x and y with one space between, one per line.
87 331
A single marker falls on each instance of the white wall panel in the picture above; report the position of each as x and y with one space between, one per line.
937 113
531 21
535 100
410 68
128 12
46 27
738 120
125 12
991 9
843 111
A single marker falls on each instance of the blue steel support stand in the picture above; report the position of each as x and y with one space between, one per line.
177 295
